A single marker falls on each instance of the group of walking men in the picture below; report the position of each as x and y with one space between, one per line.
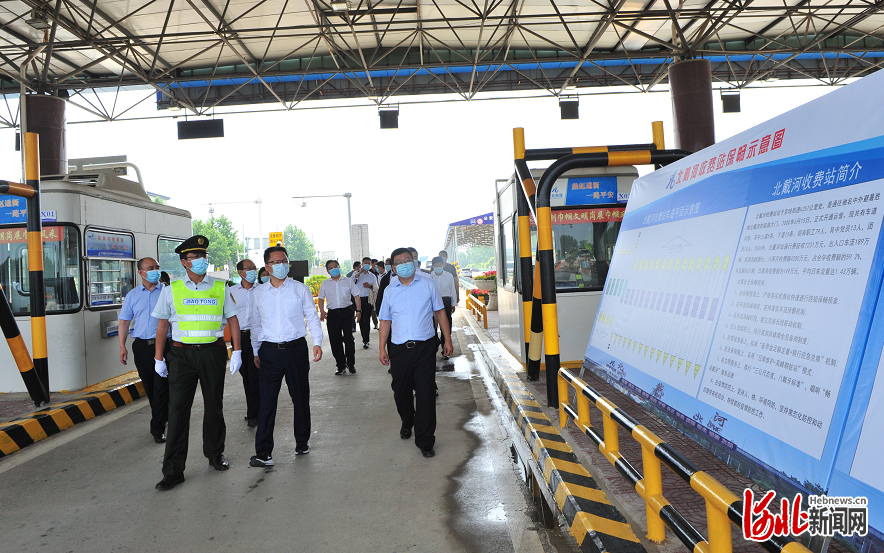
179 342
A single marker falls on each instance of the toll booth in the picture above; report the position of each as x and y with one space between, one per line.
95 228
587 206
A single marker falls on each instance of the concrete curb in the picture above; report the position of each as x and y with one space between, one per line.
594 522
33 427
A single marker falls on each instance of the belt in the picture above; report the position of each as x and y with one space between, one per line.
150 342
198 347
281 345
247 331
411 344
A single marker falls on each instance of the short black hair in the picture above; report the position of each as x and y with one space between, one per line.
389 261
164 277
412 250
357 264
443 252
373 260
367 258
241 264
438 259
381 263
400 251
273 249
331 261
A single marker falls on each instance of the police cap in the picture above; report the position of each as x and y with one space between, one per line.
197 243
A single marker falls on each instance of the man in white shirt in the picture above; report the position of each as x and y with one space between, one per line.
410 303
279 311
366 281
241 296
445 286
335 293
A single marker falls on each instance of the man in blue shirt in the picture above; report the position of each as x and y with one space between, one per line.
410 304
137 307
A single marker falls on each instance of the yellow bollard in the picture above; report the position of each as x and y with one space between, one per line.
653 481
582 410
563 400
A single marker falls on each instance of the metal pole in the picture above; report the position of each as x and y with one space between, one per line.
39 394
349 225
260 231
23 89
35 259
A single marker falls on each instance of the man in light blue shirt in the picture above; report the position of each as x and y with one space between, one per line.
137 308
410 304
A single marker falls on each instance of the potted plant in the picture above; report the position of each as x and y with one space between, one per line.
486 281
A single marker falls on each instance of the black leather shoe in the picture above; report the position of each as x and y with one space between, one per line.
352 370
302 449
428 453
219 462
169 482
405 433
365 345
253 423
339 372
161 439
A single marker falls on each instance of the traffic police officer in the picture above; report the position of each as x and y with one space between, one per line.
410 303
195 306
137 308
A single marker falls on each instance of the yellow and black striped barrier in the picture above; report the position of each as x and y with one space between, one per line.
38 392
41 424
593 520
723 507
35 259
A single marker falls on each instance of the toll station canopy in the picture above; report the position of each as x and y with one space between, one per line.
198 55
475 231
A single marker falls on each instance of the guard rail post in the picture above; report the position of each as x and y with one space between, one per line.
39 394
35 259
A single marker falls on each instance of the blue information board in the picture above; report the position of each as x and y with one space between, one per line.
591 190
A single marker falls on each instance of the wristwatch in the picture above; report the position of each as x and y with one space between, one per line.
359 311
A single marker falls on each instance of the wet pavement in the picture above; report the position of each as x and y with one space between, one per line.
361 488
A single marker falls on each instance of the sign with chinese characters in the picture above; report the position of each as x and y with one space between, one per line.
591 190
486 219
108 244
20 235
583 216
276 238
743 284
14 209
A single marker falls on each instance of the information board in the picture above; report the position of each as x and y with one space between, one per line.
743 284
109 244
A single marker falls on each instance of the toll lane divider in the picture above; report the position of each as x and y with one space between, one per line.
594 522
33 427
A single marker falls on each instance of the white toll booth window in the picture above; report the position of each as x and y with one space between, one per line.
110 267
61 269
170 261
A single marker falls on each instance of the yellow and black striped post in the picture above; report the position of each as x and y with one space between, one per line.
531 321
35 260
545 238
39 394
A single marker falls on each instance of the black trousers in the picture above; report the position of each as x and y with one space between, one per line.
446 301
156 388
339 323
249 374
293 363
187 368
414 372
365 320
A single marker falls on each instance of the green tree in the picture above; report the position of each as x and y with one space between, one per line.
225 248
297 244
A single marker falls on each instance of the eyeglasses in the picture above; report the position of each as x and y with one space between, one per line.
279 262
197 256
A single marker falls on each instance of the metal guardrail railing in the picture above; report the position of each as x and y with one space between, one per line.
723 507
478 308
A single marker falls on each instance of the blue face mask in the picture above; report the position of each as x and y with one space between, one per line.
199 266
380 270
405 270
336 272
153 276
281 270
251 276
437 270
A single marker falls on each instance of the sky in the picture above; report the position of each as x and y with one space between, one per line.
407 184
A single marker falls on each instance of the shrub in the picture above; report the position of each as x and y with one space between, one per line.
314 283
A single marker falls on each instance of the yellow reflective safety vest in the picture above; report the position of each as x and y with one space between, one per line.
579 279
200 313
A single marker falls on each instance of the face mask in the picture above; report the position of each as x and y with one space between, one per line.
281 270
585 265
153 276
405 270
380 270
251 276
437 270
199 266
444 260
336 272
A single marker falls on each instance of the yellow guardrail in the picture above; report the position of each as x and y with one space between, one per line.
477 307
723 507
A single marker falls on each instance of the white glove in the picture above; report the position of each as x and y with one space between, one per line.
235 361
159 366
